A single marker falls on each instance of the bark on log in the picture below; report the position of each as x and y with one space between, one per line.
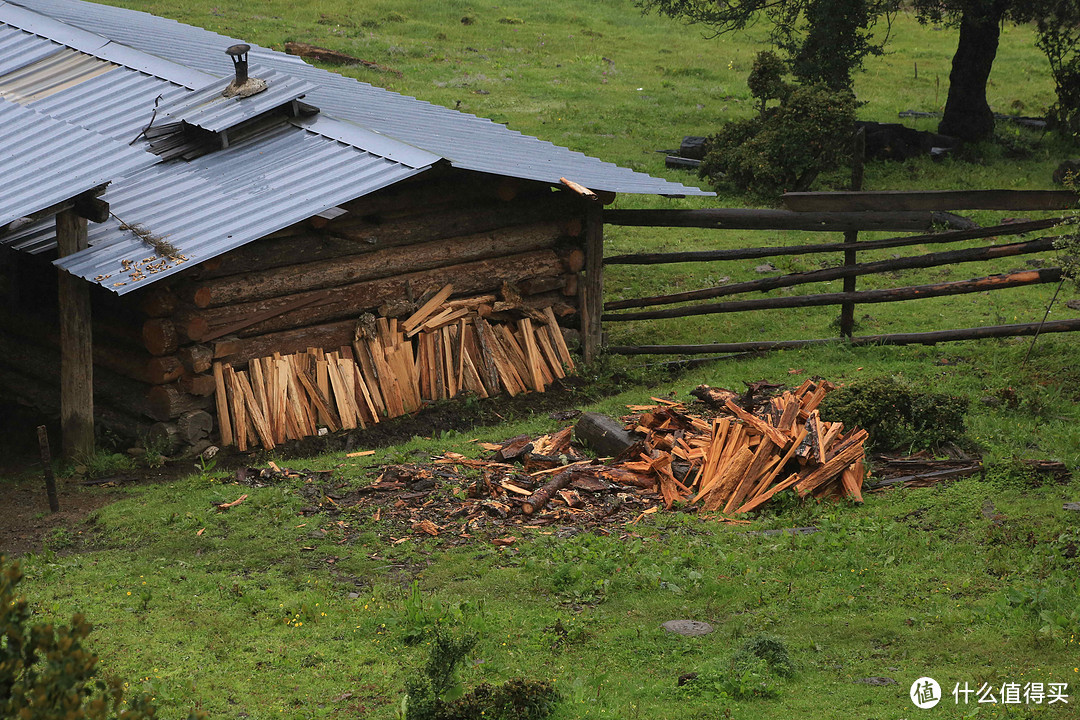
165 402
134 364
46 397
164 437
238 351
540 498
916 292
762 252
160 336
605 436
196 358
350 300
918 261
201 384
755 219
194 425
353 235
249 287
156 301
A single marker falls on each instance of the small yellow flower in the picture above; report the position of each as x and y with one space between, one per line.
129 592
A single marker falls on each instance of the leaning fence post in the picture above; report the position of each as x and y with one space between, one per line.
851 237
46 460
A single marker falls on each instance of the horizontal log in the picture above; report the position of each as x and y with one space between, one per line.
131 363
915 292
160 336
166 402
342 238
201 384
762 252
43 363
923 338
918 261
760 219
322 306
933 200
196 358
249 287
238 351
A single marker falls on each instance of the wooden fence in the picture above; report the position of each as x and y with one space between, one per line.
849 213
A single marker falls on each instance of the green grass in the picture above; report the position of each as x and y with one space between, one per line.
252 613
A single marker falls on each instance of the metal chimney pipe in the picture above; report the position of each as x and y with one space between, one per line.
239 55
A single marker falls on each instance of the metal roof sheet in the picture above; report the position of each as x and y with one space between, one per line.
50 75
467 141
208 109
219 202
44 161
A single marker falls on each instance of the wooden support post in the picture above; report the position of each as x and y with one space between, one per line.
76 345
592 290
851 237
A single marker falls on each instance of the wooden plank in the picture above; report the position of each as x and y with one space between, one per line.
236 404
325 414
429 307
557 338
935 200
532 354
222 402
255 411
448 362
551 356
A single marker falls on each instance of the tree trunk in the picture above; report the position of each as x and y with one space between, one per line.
967 113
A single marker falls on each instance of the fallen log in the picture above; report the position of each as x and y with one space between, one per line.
540 498
605 436
333 57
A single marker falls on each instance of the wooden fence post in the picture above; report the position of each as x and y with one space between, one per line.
851 237
76 345
592 290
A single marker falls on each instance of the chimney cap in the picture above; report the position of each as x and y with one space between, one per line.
236 50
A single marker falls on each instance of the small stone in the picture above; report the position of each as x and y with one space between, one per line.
354 596
765 268
689 628
877 681
136 451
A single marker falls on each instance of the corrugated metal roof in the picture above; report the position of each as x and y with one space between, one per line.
63 69
208 109
469 142
44 161
219 202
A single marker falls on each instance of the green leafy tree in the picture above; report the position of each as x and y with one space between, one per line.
46 673
825 41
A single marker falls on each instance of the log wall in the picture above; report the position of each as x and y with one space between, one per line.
302 287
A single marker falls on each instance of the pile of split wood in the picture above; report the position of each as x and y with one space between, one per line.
446 347
740 460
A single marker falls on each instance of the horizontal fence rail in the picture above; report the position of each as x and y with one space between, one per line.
850 213
922 338
762 252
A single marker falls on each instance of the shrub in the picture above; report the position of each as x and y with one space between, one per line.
896 415
787 146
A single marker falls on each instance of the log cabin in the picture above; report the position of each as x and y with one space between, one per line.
181 208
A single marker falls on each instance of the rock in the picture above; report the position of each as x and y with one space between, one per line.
879 681
689 628
765 268
1064 169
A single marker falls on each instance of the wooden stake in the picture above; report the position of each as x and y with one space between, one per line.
46 462
76 345
222 402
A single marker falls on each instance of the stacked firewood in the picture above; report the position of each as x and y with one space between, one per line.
393 367
738 461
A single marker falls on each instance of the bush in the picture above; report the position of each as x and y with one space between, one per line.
897 416
787 146
47 673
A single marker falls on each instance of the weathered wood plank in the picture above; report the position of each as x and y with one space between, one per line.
765 219
929 200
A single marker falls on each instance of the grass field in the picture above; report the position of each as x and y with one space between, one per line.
262 612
